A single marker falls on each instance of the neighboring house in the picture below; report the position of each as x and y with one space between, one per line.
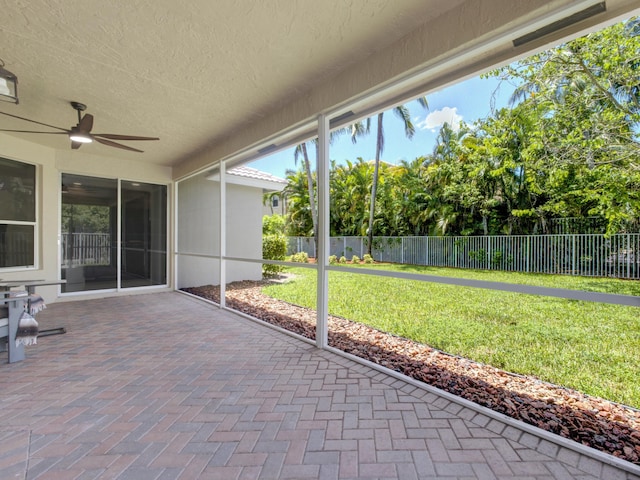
273 202
245 188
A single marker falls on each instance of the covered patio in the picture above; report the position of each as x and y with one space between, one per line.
150 383
163 385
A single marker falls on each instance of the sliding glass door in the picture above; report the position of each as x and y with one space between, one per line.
144 234
92 223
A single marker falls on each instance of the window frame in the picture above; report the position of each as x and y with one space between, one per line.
35 223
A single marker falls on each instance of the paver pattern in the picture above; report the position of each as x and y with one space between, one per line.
164 386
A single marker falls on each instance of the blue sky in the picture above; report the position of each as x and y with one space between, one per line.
466 101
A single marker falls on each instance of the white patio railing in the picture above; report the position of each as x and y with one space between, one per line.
81 249
581 254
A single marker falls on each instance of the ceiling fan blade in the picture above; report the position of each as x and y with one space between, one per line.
75 145
114 144
86 123
33 121
32 131
113 136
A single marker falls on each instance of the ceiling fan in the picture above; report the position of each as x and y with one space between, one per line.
81 133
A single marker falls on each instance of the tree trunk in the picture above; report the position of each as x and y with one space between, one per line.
374 184
312 201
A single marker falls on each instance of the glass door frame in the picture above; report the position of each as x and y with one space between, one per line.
117 243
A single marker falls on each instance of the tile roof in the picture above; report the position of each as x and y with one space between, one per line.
249 172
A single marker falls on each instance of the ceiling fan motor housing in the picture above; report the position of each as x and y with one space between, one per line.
81 107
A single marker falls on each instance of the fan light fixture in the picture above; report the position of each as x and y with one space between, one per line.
80 137
8 85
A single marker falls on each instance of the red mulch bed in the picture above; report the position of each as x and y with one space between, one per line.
592 421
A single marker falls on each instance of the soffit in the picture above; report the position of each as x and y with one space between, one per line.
191 73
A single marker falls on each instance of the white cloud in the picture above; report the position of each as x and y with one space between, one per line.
437 118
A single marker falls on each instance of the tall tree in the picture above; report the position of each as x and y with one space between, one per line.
586 98
567 147
299 216
402 112
350 189
301 150
356 131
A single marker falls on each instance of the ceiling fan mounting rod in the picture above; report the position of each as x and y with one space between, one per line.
79 107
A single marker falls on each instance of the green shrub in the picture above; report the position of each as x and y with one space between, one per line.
479 255
333 260
274 247
343 259
273 225
300 257
367 258
355 259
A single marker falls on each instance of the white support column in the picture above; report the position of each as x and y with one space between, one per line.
173 227
223 232
119 242
322 308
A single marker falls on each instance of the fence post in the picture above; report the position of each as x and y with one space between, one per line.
426 251
573 255
628 255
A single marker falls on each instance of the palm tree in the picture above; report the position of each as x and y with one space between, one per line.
301 150
403 113
350 187
299 215
412 195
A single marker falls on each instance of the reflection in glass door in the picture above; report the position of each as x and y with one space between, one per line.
144 234
89 234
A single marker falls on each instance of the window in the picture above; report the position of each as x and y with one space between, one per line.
17 214
274 202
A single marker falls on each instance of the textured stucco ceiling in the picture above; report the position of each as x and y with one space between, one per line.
199 74
187 72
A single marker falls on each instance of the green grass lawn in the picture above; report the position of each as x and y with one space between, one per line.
591 347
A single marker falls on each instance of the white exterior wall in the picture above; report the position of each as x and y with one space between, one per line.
198 213
50 164
244 231
198 217
197 271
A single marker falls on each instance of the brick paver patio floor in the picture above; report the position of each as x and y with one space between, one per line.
164 386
